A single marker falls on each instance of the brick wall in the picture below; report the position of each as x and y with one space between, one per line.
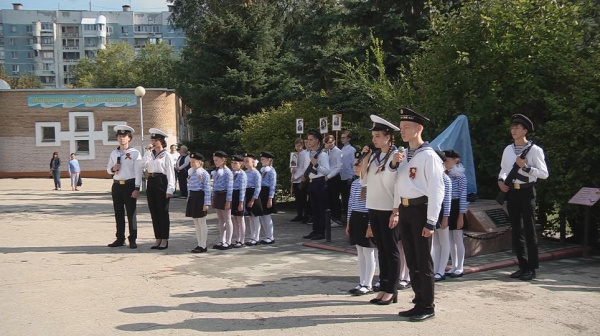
21 157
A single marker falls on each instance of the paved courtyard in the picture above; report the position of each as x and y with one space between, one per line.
58 277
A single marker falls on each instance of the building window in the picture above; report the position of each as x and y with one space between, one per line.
29 29
89 27
13 29
47 26
110 136
82 124
47 134
13 55
30 54
11 41
47 54
2 55
47 40
82 147
47 66
15 68
124 30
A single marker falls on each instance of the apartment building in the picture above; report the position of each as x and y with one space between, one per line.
49 43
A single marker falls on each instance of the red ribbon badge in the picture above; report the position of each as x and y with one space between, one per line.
413 172
128 156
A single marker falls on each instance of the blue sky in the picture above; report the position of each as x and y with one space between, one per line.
97 5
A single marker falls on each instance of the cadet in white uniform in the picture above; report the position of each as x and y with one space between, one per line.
124 165
161 185
417 202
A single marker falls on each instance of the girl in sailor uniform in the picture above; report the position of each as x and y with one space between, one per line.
254 207
267 195
199 197
358 229
239 193
456 172
161 186
222 196
440 241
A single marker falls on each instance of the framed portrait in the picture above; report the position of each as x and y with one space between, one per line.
323 125
293 159
299 126
336 122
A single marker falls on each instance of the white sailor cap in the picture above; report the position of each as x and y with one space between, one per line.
155 133
380 124
123 129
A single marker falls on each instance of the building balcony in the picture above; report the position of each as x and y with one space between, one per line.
70 34
47 33
70 47
71 60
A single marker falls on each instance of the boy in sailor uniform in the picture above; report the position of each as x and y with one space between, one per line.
521 193
124 166
417 204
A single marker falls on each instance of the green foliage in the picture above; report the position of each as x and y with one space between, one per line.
118 66
27 81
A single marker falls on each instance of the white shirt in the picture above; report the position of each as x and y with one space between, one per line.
322 165
535 159
380 186
347 171
175 156
303 162
423 175
160 163
130 165
335 162
184 165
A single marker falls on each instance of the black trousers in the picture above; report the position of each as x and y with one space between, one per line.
122 201
333 186
301 195
182 176
417 250
318 197
345 186
387 247
158 204
521 211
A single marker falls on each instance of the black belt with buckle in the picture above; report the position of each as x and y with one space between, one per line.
518 186
317 179
157 175
406 202
124 181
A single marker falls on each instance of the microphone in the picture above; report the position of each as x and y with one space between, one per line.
118 160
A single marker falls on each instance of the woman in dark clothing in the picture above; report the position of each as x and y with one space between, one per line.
55 170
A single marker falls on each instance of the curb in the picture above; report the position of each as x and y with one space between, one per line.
566 253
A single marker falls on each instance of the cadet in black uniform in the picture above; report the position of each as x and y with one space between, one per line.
521 193
124 165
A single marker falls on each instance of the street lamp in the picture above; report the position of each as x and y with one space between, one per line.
140 92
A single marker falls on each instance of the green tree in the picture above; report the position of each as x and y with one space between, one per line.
27 81
118 66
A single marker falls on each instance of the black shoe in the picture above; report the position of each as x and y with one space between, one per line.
267 241
217 246
354 290
238 244
305 221
408 313
252 243
403 284
376 287
155 246
517 274
393 299
296 219
528 275
199 249
318 237
163 247
132 245
456 275
439 278
224 247
117 243
421 317
310 235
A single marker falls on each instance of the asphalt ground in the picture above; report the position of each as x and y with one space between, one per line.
59 278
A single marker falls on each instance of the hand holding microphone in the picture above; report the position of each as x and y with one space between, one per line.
118 165
365 151
398 156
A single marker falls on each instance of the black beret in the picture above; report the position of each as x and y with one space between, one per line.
249 155
315 133
220 154
267 155
523 120
357 155
407 114
237 158
197 156
451 153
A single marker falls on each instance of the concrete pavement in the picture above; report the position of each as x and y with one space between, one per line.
58 277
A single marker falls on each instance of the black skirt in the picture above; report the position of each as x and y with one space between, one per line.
256 209
453 219
264 198
235 202
359 222
219 200
195 203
